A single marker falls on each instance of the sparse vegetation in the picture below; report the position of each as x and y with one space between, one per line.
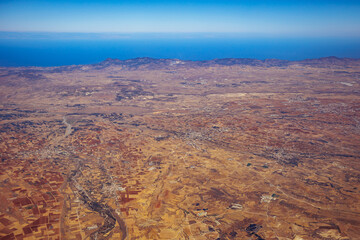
145 149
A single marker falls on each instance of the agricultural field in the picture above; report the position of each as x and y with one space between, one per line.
169 149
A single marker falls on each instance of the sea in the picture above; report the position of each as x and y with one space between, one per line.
56 50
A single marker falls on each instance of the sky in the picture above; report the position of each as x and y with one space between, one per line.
269 17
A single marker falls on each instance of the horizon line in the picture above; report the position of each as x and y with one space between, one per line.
113 35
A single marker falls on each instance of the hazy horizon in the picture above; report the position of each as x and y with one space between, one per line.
292 18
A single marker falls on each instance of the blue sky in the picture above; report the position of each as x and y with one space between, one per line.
290 18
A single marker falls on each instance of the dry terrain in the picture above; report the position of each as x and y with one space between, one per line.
170 149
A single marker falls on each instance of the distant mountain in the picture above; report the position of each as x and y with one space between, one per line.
146 63
160 63
136 63
153 63
329 61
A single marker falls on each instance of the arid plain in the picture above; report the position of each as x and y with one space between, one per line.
170 149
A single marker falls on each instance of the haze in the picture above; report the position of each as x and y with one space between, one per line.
290 18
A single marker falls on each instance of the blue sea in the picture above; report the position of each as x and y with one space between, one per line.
59 50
